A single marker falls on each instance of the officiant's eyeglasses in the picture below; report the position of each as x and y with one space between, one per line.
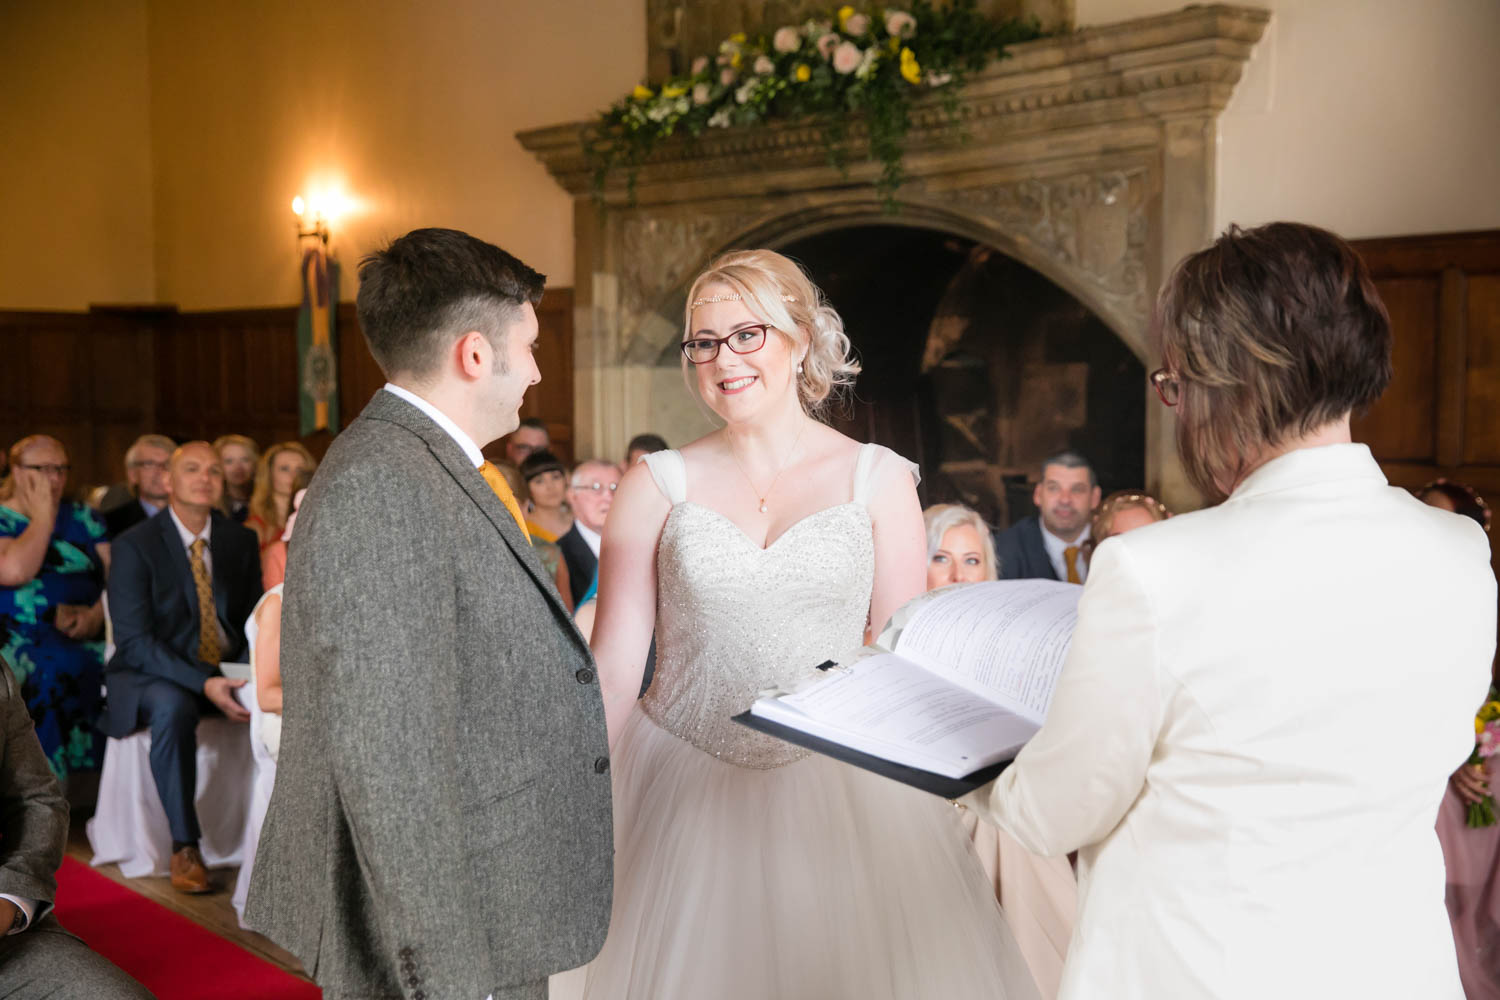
597 487
701 350
1167 386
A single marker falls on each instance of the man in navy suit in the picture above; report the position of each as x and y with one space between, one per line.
1050 546
181 586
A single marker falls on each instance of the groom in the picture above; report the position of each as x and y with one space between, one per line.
440 825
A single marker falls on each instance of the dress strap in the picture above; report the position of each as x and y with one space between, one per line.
670 473
871 457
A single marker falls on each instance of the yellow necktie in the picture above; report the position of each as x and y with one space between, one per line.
208 621
502 490
1070 559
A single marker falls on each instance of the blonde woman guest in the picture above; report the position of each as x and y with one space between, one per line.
1039 894
238 455
1239 746
271 501
1122 511
744 866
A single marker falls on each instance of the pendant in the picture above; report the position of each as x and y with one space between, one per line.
762 506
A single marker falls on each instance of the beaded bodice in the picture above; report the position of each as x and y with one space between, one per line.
733 619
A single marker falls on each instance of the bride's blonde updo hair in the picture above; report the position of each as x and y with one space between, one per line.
777 291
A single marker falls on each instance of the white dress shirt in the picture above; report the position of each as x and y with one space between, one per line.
1055 547
150 508
188 538
442 419
589 535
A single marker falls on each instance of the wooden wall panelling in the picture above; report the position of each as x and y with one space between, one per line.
551 399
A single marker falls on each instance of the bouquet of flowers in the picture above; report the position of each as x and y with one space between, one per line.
1486 742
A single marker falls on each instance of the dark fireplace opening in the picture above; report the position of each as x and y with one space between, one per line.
976 366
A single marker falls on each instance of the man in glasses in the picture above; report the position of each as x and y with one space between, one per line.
146 474
590 494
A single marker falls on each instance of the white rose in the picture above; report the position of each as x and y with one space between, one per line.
857 24
764 66
700 94
743 93
786 40
867 62
719 119
726 76
699 65
827 43
846 57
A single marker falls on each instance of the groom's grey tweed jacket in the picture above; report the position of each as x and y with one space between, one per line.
440 825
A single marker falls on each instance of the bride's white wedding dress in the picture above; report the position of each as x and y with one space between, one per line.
746 867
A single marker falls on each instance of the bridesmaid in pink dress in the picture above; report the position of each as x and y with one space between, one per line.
1039 895
1471 855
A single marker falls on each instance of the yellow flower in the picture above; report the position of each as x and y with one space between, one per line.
910 71
735 60
738 38
845 13
804 73
641 93
673 91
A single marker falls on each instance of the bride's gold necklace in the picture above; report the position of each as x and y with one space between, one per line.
784 463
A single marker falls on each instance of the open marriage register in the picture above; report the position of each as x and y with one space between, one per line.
947 696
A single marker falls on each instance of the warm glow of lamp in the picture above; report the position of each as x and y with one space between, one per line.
297 206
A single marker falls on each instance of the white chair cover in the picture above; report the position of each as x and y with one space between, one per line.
260 799
129 827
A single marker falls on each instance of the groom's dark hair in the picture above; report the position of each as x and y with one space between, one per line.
432 285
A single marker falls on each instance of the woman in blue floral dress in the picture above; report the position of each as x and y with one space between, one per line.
53 559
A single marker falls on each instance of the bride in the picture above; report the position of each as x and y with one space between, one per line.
745 867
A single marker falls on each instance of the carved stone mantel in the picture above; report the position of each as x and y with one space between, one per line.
1089 157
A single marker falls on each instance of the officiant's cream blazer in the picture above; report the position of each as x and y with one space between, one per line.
1250 738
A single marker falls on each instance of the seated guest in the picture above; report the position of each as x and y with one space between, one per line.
238 454
181 587
1039 895
530 437
1248 750
37 957
546 482
53 558
590 494
146 474
1049 545
959 546
1122 511
642 445
271 501
273 556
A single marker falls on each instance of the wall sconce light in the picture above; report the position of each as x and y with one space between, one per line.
318 228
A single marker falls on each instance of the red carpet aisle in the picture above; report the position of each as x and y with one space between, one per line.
170 955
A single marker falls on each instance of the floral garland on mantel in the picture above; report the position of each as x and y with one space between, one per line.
873 64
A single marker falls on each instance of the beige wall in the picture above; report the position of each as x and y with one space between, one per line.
75 174
1370 117
411 108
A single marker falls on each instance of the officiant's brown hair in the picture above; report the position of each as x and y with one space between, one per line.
1272 333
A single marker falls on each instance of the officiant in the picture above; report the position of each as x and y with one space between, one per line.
1247 746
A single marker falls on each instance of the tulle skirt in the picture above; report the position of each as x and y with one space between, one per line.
813 881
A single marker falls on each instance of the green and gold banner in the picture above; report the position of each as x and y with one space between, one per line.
317 343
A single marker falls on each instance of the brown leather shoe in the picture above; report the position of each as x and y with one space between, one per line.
188 872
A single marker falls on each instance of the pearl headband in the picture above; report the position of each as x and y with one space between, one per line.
732 297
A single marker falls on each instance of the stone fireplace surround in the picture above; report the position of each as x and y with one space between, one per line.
1088 157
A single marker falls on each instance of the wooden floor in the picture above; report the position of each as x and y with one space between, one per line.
211 910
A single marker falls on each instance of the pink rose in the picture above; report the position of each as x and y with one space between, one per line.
846 57
726 76
699 65
857 24
700 93
786 40
900 24
826 44
764 66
